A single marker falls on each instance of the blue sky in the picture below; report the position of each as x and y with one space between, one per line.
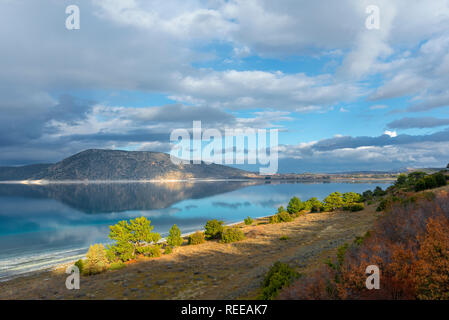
343 96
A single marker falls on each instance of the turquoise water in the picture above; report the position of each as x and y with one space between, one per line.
42 226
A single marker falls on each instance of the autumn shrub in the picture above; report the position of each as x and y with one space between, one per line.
410 245
232 235
432 266
248 221
196 238
96 260
213 229
279 276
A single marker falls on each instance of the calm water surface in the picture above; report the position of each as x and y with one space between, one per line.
42 226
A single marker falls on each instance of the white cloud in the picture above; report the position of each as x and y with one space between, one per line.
392 134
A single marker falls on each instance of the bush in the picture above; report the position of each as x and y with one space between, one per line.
80 265
248 221
274 219
283 238
196 238
117 265
429 182
410 242
367 195
280 275
168 250
284 217
378 192
383 205
281 209
440 179
150 251
129 237
295 205
174 238
351 197
96 260
333 201
232 235
356 207
313 204
213 229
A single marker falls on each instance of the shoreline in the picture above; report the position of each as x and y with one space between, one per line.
71 262
196 271
280 179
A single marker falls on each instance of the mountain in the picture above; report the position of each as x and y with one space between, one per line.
21 173
98 164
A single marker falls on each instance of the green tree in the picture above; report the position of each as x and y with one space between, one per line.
313 204
333 201
130 237
213 229
248 221
279 276
96 260
367 195
281 209
174 238
440 179
401 180
378 192
295 205
351 197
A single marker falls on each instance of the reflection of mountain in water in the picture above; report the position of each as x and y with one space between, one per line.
116 197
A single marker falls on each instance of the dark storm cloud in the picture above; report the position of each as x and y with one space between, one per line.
423 122
383 140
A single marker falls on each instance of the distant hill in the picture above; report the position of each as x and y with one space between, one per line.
21 173
98 164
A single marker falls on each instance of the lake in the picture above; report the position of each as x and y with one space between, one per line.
45 225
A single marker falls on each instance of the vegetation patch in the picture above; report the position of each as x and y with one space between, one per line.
174 238
279 276
196 238
213 229
248 221
96 260
133 237
117 265
410 243
232 235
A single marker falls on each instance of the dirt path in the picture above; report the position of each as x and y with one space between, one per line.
211 270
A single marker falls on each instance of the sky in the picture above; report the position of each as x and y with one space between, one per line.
344 97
